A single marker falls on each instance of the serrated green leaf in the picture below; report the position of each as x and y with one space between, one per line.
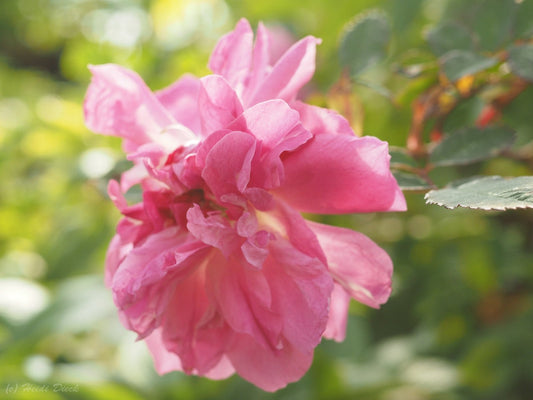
469 145
521 61
459 63
447 37
487 193
408 181
364 42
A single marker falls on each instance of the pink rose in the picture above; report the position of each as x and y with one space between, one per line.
216 269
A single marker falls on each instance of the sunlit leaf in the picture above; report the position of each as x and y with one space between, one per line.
458 63
521 61
487 193
470 145
364 42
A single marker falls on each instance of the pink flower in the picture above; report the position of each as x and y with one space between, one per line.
216 269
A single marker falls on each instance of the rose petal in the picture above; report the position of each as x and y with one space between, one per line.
278 128
218 104
229 162
338 314
260 63
356 263
322 120
335 174
166 361
213 230
181 101
119 103
142 285
232 55
269 369
301 287
292 71
240 304
192 327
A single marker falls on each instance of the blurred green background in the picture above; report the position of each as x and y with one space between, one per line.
459 324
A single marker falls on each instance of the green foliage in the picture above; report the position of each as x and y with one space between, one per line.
470 145
409 181
521 60
449 36
459 63
364 42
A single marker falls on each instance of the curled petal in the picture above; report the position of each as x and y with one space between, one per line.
356 263
335 174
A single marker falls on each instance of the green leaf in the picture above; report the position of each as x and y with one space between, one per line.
469 145
399 157
523 25
487 193
492 22
521 61
408 181
375 87
459 63
364 42
447 37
